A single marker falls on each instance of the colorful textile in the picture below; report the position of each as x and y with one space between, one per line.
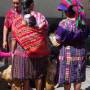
72 65
20 64
78 8
10 15
27 67
71 57
5 54
40 19
70 37
69 33
33 40
72 2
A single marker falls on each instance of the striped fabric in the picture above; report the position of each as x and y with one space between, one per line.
72 58
25 67
72 65
32 39
78 8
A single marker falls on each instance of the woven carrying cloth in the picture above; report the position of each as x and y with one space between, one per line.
33 40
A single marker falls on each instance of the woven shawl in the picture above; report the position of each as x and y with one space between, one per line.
33 40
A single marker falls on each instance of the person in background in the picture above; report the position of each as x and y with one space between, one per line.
7 30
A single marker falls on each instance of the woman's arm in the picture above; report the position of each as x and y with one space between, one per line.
13 45
5 32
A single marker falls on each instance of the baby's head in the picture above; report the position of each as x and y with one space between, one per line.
30 20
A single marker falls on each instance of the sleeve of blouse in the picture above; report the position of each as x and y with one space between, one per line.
81 34
61 34
42 21
64 35
6 21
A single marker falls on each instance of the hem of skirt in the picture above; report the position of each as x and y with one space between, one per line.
21 79
51 82
71 82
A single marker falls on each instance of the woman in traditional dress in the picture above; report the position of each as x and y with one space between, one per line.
25 65
72 56
7 29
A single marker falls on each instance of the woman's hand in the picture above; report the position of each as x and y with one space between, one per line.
41 25
4 44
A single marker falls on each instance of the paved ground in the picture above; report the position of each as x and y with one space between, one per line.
85 85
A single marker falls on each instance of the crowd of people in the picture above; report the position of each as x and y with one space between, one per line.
57 58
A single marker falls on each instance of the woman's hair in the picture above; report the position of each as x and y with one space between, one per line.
70 12
26 6
27 3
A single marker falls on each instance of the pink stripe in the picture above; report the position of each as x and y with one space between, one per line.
5 54
18 53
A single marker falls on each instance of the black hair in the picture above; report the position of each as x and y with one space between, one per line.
27 3
26 6
71 11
